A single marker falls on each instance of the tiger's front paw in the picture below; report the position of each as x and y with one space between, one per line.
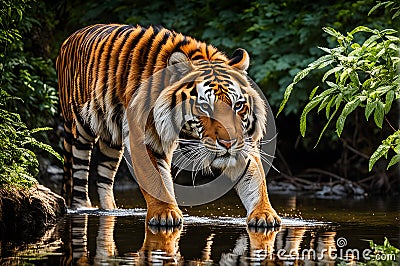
263 217
164 215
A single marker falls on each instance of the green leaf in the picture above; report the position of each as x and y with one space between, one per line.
313 92
388 31
381 151
286 96
324 64
324 102
331 31
326 50
371 40
328 106
311 105
347 109
379 114
326 126
329 72
395 15
299 76
319 61
388 101
345 74
369 108
377 6
354 78
360 28
395 159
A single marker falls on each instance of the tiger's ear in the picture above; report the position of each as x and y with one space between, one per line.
240 59
180 62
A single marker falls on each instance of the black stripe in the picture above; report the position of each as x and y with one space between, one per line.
207 52
157 155
120 50
104 180
155 53
80 182
77 161
197 57
252 127
115 31
112 168
78 194
83 146
105 158
124 77
161 165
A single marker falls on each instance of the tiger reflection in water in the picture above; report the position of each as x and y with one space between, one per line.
161 246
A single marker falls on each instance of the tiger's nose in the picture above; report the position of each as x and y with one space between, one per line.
226 143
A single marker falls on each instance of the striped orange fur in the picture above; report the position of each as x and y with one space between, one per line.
105 70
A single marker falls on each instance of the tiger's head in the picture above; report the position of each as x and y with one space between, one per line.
211 109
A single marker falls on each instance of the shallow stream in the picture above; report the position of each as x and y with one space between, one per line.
314 231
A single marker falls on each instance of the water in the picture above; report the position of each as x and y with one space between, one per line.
314 231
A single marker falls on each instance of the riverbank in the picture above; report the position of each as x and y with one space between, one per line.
28 212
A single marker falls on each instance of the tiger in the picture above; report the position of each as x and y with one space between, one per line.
109 78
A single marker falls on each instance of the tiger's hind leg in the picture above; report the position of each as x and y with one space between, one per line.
66 189
108 162
81 151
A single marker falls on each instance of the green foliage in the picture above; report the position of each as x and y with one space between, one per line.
390 143
382 255
358 74
18 163
385 249
23 75
25 95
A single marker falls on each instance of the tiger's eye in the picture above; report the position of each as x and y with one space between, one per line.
238 105
204 106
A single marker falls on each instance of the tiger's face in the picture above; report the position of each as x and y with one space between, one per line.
215 116
219 118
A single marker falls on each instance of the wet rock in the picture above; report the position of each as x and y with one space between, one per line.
28 212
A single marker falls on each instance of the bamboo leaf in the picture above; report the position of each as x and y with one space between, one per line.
347 109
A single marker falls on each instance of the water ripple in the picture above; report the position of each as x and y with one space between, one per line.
194 220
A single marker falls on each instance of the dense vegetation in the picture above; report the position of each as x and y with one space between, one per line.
282 38
25 97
